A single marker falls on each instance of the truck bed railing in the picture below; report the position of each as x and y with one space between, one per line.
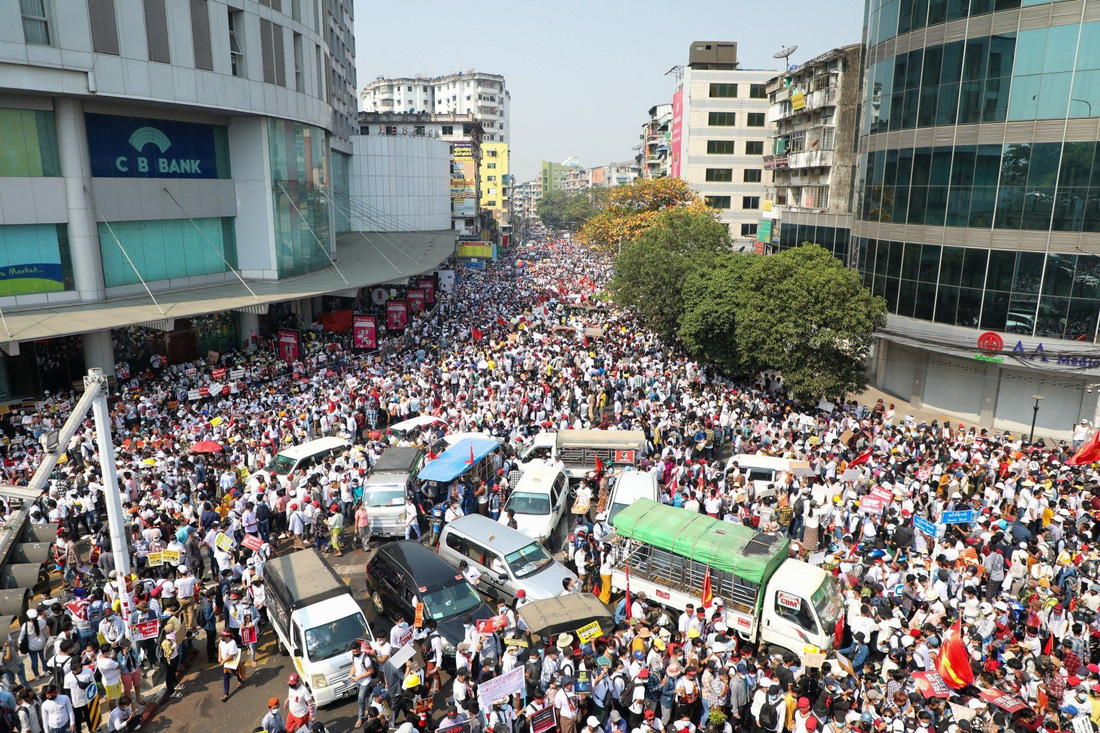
686 576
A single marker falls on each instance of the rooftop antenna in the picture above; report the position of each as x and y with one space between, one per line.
785 54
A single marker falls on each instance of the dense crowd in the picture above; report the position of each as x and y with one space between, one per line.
493 357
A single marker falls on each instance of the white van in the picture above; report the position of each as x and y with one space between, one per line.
763 471
538 499
300 456
630 486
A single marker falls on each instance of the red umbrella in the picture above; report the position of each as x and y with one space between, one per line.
206 446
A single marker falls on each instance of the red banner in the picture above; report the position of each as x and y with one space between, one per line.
248 635
290 345
218 374
145 630
252 542
489 625
415 296
931 684
882 493
871 503
1003 700
397 315
428 288
364 331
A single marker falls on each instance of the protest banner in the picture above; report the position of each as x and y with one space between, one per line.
500 687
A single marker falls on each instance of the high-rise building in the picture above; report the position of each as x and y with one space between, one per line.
177 158
554 175
978 212
812 153
495 179
653 151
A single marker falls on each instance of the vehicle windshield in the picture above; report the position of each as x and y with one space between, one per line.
528 561
827 602
281 465
615 509
524 503
379 495
328 640
459 597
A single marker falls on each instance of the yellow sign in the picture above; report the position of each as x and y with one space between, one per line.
589 632
515 642
767 207
223 541
462 151
484 251
798 101
171 556
216 422
156 558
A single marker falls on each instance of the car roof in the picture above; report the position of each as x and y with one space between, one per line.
398 459
538 476
421 564
485 530
314 446
416 422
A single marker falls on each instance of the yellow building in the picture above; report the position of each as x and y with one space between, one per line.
494 177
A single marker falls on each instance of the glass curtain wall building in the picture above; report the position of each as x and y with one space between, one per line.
977 213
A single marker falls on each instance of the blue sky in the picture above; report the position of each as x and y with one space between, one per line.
584 73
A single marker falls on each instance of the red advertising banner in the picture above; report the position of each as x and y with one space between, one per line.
252 542
677 131
364 332
428 288
415 296
289 344
504 241
931 684
397 315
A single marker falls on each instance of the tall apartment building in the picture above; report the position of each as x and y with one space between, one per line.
525 199
600 176
812 153
155 154
653 157
720 130
978 212
554 175
495 179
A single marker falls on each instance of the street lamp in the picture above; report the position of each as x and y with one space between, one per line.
1034 415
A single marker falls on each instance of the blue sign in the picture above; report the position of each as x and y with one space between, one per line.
924 526
963 517
138 147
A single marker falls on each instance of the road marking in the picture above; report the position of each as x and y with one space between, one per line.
346 579
342 569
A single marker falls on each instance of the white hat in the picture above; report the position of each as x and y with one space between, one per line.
32 613
593 721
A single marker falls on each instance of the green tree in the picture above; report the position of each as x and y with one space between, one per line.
708 325
571 209
805 314
651 271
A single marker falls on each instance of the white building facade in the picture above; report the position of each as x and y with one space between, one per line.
400 183
485 96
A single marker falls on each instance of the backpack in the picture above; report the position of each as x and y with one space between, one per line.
626 697
769 717
263 513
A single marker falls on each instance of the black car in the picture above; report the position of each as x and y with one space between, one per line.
403 574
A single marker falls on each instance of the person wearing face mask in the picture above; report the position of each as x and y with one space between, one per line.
362 672
124 717
399 634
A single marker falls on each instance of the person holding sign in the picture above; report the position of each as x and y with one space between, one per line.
229 655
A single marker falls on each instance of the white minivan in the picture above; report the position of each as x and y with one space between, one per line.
538 500
763 471
298 457
629 486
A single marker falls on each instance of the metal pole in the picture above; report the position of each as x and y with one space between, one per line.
1034 416
111 494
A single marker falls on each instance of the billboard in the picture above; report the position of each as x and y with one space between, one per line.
30 258
397 315
289 344
463 181
474 249
677 131
138 147
364 332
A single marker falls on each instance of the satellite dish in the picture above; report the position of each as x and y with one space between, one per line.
785 53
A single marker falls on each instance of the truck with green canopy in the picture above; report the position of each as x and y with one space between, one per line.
762 594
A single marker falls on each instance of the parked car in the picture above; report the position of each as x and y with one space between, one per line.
508 560
630 486
391 480
538 500
298 457
402 574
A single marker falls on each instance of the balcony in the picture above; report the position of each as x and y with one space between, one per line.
775 162
810 159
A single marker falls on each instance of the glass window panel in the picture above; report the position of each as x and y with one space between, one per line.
994 311
910 263
909 109
941 167
1092 211
947 302
922 166
1052 317
926 301
974 262
1081 319
1038 208
982 202
1029 272
933 61
1023 103
926 114
962 168
1030 50
905 166
936 211
905 16
958 206
970 102
882 258
930 263
996 100
907 295
891 293
975 59
1002 265
1085 100
947 105
970 307
1054 95
1061 48
937 11
1043 170
1002 51
1058 278
879 287
1069 209
893 269
897 106
1086 278
951 266
1088 50
918 204
1076 164
1015 164
1021 314
988 165
951 65
957 9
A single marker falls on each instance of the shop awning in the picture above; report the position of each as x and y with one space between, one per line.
363 258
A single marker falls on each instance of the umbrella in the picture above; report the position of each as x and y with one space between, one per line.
206 446
150 461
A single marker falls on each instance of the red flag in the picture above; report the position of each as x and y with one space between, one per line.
708 592
953 661
1049 646
626 568
471 461
861 458
431 454
599 465
1087 453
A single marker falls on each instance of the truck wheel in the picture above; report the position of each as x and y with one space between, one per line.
282 650
377 600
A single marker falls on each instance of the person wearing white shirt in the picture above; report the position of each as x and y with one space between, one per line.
124 717
57 711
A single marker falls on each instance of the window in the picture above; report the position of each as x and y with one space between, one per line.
236 50
722 119
718 202
752 175
758 91
200 35
296 10
156 31
754 147
723 90
748 230
490 165
447 130
299 67
750 202
800 616
720 175
36 22
720 147
320 73
756 119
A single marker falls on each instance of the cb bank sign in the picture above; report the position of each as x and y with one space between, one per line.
139 147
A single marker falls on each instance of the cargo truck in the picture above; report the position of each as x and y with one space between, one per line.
769 598
579 449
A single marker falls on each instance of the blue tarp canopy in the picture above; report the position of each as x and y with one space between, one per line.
455 461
